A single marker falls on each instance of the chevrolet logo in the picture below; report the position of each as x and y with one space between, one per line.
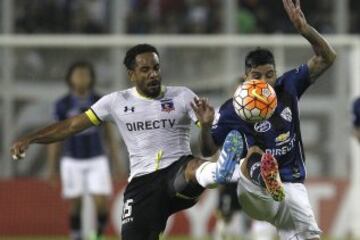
282 137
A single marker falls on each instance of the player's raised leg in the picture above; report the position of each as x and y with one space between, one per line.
209 174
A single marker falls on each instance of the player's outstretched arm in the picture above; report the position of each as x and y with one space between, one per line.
205 114
50 134
324 53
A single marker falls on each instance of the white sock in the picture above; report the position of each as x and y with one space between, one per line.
205 174
236 175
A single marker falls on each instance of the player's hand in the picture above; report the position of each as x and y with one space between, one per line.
204 111
18 148
296 15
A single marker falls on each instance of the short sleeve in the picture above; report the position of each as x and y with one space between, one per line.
296 80
356 113
188 98
219 128
101 110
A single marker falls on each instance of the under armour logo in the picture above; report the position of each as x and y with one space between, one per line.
126 109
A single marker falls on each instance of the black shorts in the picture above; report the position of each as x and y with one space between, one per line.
228 200
150 199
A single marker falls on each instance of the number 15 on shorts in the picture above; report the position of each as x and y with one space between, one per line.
127 211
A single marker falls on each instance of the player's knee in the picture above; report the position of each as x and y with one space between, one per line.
190 169
185 181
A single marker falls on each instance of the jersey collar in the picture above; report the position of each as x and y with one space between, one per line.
139 95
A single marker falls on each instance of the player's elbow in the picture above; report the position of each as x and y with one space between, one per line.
330 58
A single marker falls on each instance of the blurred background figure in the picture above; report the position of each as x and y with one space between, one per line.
84 168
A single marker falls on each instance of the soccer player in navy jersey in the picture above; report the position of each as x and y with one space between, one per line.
84 169
272 172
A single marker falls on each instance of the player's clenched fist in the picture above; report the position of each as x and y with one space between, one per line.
18 148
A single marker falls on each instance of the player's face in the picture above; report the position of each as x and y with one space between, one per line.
265 72
146 74
80 80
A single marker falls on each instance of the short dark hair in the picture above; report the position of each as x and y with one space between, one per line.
129 60
81 64
258 57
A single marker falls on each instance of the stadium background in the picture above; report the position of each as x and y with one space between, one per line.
202 45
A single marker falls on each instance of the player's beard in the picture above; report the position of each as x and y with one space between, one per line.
153 88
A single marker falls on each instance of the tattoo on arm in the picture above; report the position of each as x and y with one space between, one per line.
324 53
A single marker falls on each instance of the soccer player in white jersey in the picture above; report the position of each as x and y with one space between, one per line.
154 121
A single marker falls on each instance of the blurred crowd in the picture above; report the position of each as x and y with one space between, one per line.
175 16
61 16
171 16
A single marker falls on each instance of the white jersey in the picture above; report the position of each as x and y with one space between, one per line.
156 131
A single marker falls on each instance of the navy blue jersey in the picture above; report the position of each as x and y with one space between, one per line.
86 144
356 113
280 134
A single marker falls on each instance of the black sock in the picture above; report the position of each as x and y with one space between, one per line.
101 223
253 167
75 227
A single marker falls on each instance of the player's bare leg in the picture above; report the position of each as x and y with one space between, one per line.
101 205
75 218
191 167
185 183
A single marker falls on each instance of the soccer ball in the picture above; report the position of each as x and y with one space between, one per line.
254 101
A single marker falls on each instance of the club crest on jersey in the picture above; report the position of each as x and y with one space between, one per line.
167 105
262 126
286 114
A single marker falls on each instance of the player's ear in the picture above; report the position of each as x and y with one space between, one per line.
245 76
130 74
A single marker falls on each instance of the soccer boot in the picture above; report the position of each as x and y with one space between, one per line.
230 155
270 173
